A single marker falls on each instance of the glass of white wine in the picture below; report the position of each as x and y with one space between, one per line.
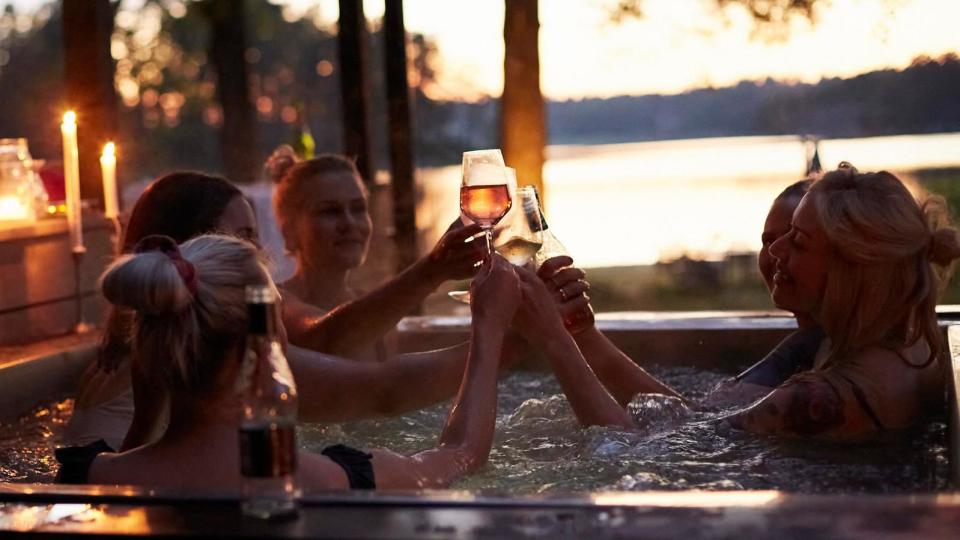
520 234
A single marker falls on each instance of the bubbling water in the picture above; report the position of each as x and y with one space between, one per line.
539 446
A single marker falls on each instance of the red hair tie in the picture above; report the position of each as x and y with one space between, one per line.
167 246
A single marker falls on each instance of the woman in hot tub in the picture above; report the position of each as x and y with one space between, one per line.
866 261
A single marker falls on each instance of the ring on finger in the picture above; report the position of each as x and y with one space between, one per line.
563 294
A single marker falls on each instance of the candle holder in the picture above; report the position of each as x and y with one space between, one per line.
116 237
81 327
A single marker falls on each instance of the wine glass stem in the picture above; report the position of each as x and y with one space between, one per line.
488 236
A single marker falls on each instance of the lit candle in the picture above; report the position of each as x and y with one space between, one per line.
108 165
71 178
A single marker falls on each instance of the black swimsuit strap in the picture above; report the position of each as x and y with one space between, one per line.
864 404
355 463
75 461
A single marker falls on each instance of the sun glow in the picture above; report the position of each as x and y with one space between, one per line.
676 46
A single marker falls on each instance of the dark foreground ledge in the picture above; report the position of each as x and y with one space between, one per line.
451 514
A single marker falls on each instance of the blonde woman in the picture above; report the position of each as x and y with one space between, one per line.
867 263
188 333
321 209
862 259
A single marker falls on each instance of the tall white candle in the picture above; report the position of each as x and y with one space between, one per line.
108 166
71 178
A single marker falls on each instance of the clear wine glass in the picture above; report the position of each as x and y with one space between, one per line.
519 235
484 192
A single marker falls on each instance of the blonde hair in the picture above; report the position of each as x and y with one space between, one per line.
296 181
892 258
183 327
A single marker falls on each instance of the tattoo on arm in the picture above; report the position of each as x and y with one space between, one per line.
814 407
800 406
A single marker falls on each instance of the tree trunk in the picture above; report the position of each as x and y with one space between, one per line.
401 138
523 119
355 91
238 136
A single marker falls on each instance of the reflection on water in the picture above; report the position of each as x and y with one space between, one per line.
637 203
26 444
539 447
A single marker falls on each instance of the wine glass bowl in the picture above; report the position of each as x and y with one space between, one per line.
484 192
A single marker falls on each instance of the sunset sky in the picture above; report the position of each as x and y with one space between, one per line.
678 45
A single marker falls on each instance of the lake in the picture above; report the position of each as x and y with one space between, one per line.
637 203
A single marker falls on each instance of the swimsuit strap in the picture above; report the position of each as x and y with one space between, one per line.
862 400
355 463
75 461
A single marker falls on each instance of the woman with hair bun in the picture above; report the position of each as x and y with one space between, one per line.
867 262
189 333
321 207
127 408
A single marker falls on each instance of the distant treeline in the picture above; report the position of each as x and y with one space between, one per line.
923 98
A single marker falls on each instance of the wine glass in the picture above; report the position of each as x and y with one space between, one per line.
520 234
484 193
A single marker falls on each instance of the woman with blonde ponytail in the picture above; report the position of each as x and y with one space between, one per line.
125 408
867 262
188 334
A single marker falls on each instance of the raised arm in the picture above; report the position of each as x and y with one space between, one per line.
337 389
621 376
350 327
540 322
465 442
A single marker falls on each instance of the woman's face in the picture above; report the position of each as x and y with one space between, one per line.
801 260
238 220
335 228
777 225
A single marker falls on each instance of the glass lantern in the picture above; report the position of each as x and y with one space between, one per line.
22 195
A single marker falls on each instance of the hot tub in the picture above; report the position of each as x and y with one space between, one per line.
704 340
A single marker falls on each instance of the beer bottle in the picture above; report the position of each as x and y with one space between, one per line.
268 396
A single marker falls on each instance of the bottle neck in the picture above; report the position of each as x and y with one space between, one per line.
262 320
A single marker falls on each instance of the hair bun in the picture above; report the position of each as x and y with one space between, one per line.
279 162
944 246
148 282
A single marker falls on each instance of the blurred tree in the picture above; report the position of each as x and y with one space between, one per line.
171 114
228 49
523 130
523 124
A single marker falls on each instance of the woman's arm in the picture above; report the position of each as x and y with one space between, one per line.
539 320
349 328
807 405
621 376
336 389
466 438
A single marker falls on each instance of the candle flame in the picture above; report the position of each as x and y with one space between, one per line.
109 150
69 117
